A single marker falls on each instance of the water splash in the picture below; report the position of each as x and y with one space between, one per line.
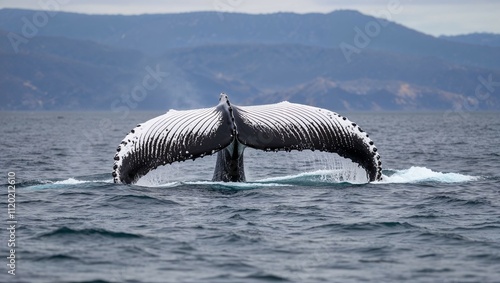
422 174
313 178
47 184
322 176
71 181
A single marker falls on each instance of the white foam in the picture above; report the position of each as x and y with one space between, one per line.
70 181
45 184
412 175
153 184
422 174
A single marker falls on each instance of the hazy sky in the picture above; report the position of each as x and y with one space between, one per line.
430 16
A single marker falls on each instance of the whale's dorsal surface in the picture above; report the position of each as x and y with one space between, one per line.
227 129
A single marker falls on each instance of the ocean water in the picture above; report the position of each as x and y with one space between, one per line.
300 217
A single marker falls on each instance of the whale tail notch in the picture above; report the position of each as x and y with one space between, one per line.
227 129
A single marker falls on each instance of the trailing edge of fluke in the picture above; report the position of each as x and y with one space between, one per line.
228 129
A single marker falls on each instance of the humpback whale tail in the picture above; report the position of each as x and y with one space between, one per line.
227 130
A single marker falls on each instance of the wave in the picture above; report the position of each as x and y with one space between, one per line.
125 200
314 178
51 184
73 181
423 174
58 257
328 177
66 231
365 226
229 185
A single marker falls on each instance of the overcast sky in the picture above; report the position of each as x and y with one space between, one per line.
434 17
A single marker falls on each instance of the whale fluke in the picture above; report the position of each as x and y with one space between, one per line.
227 130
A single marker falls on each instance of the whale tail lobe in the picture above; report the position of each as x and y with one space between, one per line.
227 129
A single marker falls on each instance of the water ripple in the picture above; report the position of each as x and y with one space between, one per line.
93 232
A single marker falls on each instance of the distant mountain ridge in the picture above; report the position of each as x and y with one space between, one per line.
304 72
154 34
81 61
486 39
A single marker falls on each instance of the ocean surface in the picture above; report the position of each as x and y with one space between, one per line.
300 217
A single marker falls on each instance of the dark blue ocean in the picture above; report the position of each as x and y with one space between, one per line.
301 217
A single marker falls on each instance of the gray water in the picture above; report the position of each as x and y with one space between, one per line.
301 217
